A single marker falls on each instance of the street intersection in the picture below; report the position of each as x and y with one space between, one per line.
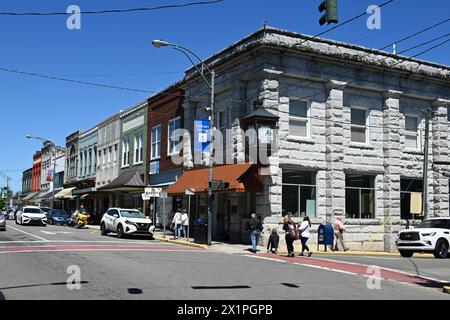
38 263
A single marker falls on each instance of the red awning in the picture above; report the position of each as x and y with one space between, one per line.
242 177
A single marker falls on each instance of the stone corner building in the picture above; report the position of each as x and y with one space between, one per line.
350 133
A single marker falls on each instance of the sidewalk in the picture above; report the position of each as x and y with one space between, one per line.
245 249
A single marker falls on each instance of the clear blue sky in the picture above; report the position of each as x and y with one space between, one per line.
115 49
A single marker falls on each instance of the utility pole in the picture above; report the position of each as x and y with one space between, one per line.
425 164
7 179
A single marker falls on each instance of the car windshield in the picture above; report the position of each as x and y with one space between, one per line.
132 214
437 223
46 209
32 210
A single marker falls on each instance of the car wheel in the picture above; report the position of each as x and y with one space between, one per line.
120 232
103 230
17 222
441 249
406 254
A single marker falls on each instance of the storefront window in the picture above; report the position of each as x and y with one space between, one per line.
359 196
410 198
299 193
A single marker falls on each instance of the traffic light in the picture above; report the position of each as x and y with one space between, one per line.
331 12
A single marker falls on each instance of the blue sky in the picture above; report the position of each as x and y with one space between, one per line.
115 49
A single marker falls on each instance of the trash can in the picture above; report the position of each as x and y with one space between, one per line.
326 236
201 231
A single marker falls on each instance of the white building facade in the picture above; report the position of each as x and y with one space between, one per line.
349 139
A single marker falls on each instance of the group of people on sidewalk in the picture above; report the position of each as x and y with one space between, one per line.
293 232
180 224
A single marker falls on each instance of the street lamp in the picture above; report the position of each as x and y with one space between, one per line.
211 84
29 136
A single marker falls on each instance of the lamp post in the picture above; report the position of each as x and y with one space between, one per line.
211 84
54 163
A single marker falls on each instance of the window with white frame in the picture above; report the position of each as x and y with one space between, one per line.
156 142
138 148
173 144
299 118
359 125
126 153
116 150
99 160
104 156
86 163
412 132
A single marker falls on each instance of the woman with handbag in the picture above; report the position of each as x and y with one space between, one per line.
291 230
305 234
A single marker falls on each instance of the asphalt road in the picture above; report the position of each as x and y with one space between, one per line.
34 263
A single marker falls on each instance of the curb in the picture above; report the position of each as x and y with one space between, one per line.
93 227
183 243
447 290
364 254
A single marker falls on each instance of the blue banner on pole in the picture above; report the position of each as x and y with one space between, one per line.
202 135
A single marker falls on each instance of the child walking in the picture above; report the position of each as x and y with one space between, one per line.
274 240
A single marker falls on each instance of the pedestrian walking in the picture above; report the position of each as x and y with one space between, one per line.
305 234
177 223
185 223
339 230
274 240
255 227
291 234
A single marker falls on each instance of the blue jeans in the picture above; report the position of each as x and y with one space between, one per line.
255 238
178 230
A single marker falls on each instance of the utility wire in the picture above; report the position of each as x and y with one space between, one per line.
169 6
344 23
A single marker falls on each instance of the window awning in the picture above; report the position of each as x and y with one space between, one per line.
65 194
242 177
128 181
46 196
30 195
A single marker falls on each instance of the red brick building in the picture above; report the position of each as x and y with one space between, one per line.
36 173
165 114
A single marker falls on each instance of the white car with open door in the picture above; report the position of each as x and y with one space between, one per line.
432 237
126 222
31 215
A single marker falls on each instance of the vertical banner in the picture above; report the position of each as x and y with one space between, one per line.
49 175
202 135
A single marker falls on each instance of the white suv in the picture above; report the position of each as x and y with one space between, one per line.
432 237
126 222
31 215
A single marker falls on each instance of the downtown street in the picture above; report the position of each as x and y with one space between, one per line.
38 263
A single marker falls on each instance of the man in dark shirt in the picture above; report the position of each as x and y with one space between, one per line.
255 227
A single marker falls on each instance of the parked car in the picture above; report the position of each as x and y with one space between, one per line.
2 222
31 215
126 222
45 209
432 237
9 214
57 217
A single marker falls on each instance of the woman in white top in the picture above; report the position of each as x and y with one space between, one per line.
305 234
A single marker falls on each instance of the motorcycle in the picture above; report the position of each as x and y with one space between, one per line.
79 219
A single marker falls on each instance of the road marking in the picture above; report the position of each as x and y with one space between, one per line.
30 234
358 269
56 232
73 248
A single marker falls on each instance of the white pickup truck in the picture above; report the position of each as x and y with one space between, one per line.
432 237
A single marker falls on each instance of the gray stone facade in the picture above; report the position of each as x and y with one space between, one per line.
276 68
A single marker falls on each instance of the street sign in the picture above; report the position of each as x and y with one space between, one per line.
190 192
153 192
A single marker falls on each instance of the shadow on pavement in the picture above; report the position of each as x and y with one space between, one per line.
38 285
220 287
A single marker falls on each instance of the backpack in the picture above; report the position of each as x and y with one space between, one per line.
294 233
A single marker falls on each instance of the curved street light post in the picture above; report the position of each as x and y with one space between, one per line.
211 84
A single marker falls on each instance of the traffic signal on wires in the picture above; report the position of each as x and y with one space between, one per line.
331 12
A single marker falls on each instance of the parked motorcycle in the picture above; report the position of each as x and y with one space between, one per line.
79 219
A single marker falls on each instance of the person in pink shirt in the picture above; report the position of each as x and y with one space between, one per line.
339 230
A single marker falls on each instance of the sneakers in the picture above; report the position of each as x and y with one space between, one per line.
309 254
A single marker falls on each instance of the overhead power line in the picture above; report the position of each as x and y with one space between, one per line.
168 6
